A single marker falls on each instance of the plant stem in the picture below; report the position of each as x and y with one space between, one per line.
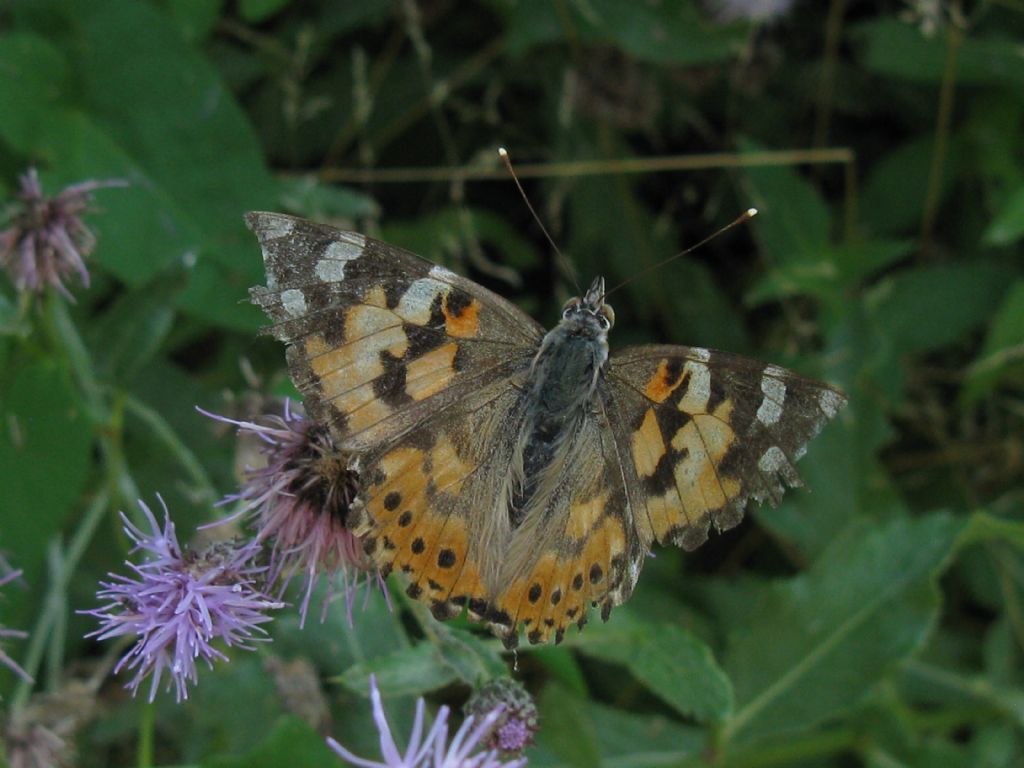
954 39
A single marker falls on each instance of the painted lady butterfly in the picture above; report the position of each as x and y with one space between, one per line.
520 474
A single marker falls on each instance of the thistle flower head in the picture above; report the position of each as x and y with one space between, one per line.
6 660
514 729
47 239
178 602
299 503
434 749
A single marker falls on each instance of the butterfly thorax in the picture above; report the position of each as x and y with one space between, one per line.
563 377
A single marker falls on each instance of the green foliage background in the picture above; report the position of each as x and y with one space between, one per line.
874 619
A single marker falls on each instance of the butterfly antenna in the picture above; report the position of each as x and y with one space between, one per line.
566 264
745 216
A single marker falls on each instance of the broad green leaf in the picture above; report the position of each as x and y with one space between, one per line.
320 202
290 742
196 18
565 731
792 224
131 331
928 307
841 267
896 186
1008 225
668 660
33 71
897 49
257 11
671 32
474 659
821 640
634 740
46 450
411 671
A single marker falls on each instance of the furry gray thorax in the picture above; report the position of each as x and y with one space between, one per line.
563 378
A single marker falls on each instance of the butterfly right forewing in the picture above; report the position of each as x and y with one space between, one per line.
706 432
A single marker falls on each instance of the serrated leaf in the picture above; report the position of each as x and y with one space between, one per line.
819 642
931 306
669 661
473 659
410 671
792 225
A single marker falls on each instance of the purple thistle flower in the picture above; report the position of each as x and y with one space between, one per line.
513 731
178 602
433 750
6 660
47 239
299 502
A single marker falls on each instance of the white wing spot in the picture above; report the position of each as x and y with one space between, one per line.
441 273
279 227
331 268
414 306
830 402
770 410
772 460
698 388
776 371
699 353
294 302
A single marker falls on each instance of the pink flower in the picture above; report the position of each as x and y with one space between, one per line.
178 602
47 239
299 503
433 750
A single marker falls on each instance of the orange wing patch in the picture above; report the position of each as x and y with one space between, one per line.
662 384
462 323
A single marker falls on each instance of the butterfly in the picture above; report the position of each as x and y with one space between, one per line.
519 474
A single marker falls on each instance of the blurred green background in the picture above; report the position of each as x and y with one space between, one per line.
874 619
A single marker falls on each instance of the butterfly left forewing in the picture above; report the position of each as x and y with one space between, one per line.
378 338
707 431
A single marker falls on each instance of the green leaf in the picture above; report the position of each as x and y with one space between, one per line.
565 731
896 187
45 455
819 642
673 31
1002 354
900 50
290 742
473 659
841 267
33 71
321 202
196 18
932 306
257 11
1008 225
668 660
792 225
131 331
407 672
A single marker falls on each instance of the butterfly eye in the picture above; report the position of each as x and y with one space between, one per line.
604 322
568 311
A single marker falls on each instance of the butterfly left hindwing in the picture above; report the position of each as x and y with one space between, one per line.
520 475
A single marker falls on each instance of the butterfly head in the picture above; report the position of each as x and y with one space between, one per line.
589 313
